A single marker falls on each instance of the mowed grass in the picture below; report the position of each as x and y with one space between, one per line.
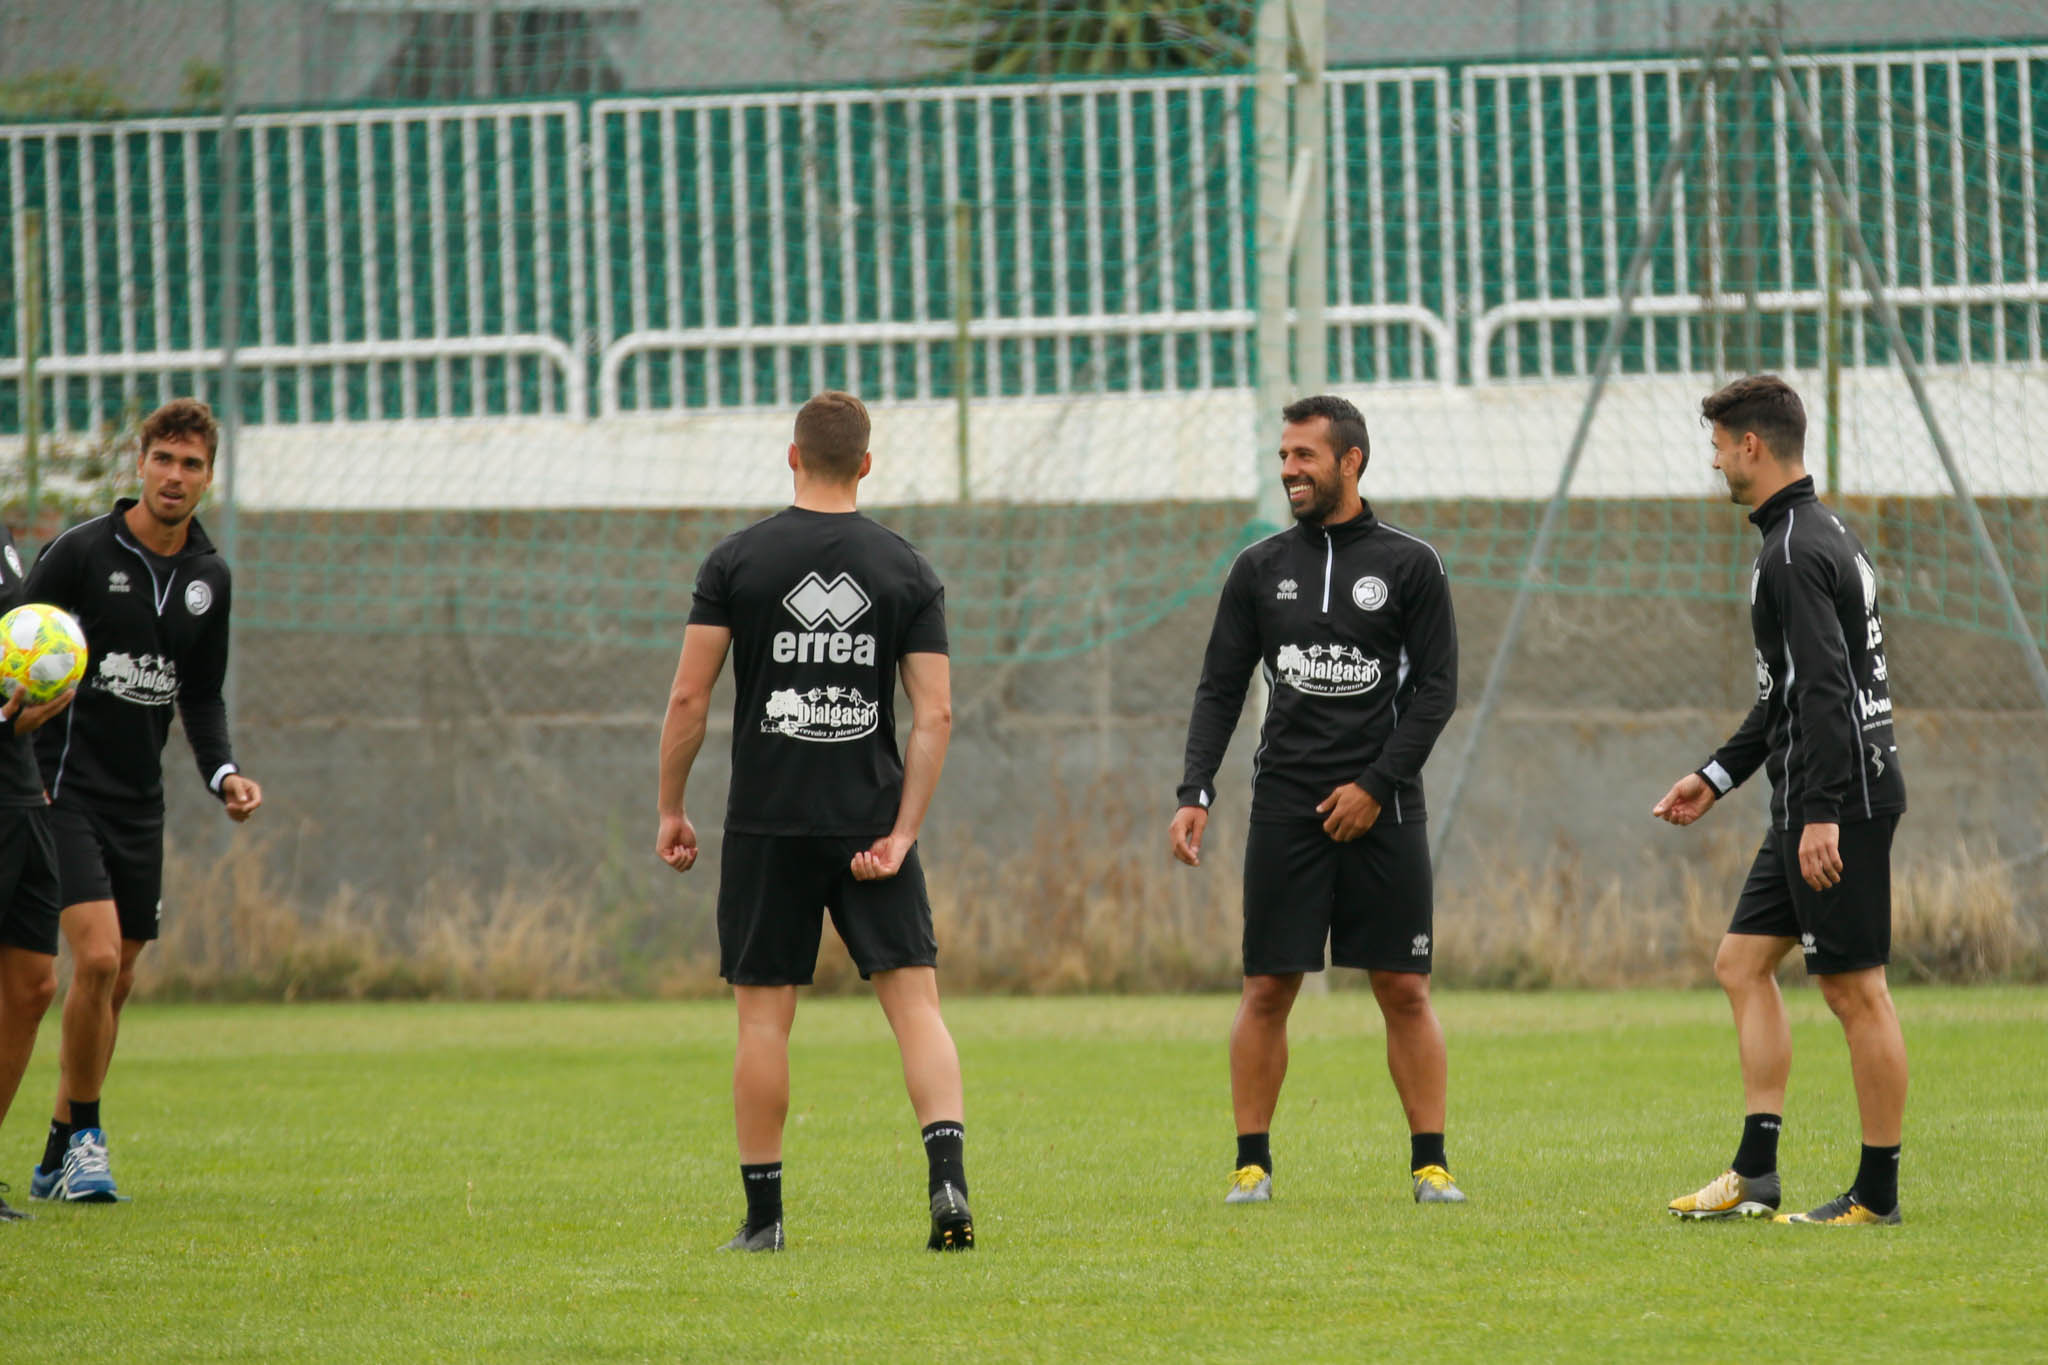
548 1182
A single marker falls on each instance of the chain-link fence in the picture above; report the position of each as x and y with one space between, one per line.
516 302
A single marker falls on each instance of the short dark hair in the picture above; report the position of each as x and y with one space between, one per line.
178 418
1766 405
832 434
1347 424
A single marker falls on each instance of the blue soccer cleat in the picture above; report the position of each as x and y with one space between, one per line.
85 1177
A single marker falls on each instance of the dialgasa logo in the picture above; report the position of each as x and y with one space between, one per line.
1763 677
814 603
1327 670
146 679
822 715
14 560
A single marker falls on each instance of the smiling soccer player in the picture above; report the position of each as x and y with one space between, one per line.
1351 619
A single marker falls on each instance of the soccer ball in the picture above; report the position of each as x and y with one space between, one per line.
42 651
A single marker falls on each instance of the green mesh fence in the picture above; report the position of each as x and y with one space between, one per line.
487 252
527 296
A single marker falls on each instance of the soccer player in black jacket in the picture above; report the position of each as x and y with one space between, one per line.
1351 620
1821 728
28 872
821 610
154 596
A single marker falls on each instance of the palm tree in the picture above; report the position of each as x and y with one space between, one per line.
1024 38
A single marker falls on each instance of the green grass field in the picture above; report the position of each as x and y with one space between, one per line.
518 1182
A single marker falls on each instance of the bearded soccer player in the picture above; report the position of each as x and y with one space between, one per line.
821 609
1351 619
28 872
1821 729
153 596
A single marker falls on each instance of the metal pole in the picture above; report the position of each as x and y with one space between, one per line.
1311 243
230 396
1273 385
1603 369
963 369
31 344
1881 304
1834 357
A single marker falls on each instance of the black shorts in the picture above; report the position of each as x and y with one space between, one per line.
1843 929
774 891
1370 899
29 908
111 853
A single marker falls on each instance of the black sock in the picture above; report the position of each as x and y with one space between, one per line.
85 1114
1426 1149
1758 1154
1255 1149
55 1145
1877 1179
945 1153
764 1194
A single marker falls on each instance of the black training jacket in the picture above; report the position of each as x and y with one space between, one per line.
1822 723
1353 625
157 630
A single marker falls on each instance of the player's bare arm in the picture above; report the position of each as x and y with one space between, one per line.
1348 812
928 681
682 735
1690 797
28 719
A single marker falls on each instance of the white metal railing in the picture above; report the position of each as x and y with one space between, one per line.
739 251
1523 120
405 262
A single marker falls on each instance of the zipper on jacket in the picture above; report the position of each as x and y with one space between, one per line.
1329 559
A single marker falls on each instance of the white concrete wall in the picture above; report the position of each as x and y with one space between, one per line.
1503 441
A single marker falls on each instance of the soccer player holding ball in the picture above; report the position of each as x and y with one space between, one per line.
1351 620
1821 728
153 596
821 609
28 860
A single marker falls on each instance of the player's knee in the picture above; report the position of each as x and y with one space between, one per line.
1739 971
1401 993
124 982
1854 995
1270 997
27 1001
95 968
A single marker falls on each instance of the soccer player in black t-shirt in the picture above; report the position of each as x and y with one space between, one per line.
1351 619
28 872
154 597
1821 728
821 608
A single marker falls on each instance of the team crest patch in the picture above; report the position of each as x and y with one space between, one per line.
14 560
1369 593
198 598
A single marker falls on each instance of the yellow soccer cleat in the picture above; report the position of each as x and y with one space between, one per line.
1843 1211
1249 1185
1729 1195
1433 1185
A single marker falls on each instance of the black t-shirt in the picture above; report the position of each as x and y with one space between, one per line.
21 784
822 607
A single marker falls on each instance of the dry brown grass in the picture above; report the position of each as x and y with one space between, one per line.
1092 904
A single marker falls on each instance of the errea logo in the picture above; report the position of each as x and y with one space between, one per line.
1288 590
1421 948
117 581
815 602
1806 944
